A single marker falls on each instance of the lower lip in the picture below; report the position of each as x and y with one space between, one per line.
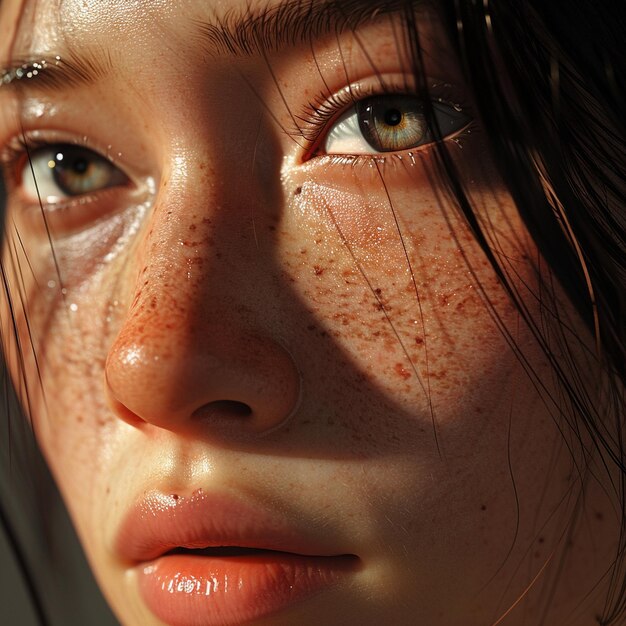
188 590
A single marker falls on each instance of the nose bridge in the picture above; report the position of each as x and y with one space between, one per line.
176 259
200 229
189 340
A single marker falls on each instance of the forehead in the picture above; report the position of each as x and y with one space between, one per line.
56 25
52 25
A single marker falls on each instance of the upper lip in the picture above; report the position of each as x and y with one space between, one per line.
159 523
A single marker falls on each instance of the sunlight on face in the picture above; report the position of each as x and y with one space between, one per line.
261 322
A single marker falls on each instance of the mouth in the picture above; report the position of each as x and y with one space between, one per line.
242 551
209 560
219 551
231 585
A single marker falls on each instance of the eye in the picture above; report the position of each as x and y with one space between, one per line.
390 123
65 171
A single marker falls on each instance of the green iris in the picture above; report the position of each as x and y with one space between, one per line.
391 123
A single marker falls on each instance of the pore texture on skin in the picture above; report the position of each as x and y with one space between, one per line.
276 378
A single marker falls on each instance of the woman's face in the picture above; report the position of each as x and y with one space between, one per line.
242 327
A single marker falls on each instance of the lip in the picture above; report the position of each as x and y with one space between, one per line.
265 565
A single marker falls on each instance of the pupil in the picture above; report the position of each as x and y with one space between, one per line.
393 117
80 166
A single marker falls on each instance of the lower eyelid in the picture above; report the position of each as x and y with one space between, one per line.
71 216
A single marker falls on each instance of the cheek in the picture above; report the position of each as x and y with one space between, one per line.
63 321
392 272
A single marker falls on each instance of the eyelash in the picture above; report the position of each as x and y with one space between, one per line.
327 107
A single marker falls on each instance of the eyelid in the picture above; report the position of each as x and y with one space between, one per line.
327 108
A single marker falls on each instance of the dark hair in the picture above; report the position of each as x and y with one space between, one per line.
547 79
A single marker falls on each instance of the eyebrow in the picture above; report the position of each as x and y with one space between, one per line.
54 73
289 23
237 33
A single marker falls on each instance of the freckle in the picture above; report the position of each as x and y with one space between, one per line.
401 371
311 327
483 507
298 191
599 516
540 540
272 228
537 554
318 270
80 419
193 227
201 166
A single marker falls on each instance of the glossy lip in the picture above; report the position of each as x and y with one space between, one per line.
212 587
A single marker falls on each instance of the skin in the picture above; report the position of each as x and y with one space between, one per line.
389 413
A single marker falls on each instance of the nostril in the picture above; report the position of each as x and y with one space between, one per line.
222 408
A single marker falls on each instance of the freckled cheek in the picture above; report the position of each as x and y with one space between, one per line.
396 278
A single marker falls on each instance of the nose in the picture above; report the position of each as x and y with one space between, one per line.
197 349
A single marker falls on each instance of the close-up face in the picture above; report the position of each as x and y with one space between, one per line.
275 375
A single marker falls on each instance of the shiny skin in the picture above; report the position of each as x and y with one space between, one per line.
386 409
